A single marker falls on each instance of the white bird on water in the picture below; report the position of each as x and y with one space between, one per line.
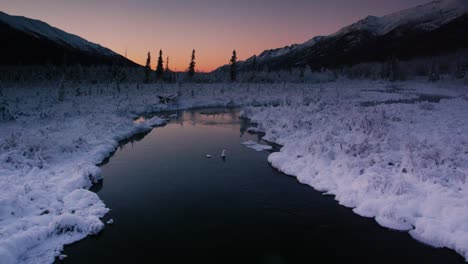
223 154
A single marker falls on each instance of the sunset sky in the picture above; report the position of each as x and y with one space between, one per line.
213 27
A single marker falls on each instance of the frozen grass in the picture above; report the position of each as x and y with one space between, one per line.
405 164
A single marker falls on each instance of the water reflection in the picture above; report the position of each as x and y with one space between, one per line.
172 205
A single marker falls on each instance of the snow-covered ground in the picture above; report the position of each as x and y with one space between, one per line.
256 146
405 164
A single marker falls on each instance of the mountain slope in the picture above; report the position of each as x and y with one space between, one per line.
426 30
32 42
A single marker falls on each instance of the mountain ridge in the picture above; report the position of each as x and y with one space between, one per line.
394 34
34 42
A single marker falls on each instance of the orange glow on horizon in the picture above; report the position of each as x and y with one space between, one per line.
214 28
177 63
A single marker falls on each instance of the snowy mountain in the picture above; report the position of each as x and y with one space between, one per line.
424 17
28 41
426 30
268 54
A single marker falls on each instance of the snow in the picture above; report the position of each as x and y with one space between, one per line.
404 164
256 146
310 42
48 158
429 16
424 17
155 121
268 54
254 130
110 222
40 29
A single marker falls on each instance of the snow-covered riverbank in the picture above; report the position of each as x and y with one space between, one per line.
406 164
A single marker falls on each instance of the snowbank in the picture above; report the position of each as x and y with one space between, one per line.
256 146
406 165
49 153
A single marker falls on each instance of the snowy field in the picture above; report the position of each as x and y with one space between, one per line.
374 145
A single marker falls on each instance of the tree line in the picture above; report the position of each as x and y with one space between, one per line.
165 74
453 66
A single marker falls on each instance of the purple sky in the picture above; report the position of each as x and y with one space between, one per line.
213 27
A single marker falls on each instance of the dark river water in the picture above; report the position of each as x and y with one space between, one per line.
171 204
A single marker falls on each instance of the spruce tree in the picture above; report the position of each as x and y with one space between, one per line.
167 72
394 72
254 67
434 75
254 63
160 67
191 68
233 66
308 75
148 68
61 93
167 65
459 71
391 71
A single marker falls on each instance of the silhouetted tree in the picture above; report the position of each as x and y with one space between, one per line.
254 67
167 65
61 92
168 75
434 74
459 71
191 68
391 70
160 66
148 68
254 63
233 66
307 74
